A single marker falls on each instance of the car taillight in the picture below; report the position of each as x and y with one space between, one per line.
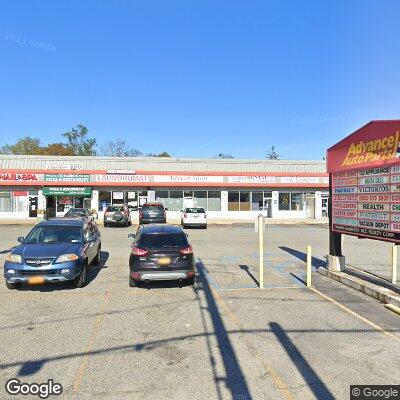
139 252
140 214
186 250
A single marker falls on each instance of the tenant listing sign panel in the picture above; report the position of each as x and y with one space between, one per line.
366 201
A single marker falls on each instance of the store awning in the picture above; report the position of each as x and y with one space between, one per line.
67 191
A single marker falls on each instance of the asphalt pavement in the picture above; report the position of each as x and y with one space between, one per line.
222 338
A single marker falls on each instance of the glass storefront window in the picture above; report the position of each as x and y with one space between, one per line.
104 199
233 201
214 200
118 197
175 200
188 193
257 201
200 199
284 201
297 201
245 201
5 201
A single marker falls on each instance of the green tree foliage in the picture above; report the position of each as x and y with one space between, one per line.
79 141
24 146
162 154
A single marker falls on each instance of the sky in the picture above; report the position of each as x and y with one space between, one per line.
199 77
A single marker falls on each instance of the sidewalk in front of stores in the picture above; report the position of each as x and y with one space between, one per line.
221 222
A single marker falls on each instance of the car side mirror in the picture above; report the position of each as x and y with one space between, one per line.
166 209
20 239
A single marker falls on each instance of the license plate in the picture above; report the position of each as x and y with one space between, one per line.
164 261
109 219
36 280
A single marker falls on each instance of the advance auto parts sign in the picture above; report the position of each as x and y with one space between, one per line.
366 202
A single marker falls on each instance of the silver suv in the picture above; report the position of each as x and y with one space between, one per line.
117 215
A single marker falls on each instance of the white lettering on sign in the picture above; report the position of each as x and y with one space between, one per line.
299 179
345 213
346 206
346 182
345 221
395 217
188 178
373 197
344 197
122 178
340 190
374 180
252 179
57 165
121 171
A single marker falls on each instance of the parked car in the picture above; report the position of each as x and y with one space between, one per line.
194 216
79 212
161 252
117 215
152 213
54 251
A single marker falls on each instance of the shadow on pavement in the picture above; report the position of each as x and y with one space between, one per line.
235 380
246 268
316 262
313 381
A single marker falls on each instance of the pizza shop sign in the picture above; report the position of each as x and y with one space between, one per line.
24 177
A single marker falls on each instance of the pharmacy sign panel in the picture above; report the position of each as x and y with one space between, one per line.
364 173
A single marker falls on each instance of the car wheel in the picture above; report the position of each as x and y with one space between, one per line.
97 259
12 286
205 226
132 283
80 280
190 281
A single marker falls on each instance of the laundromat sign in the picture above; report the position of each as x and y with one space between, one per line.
366 201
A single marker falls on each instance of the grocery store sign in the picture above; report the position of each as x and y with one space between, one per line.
188 179
67 191
18 177
123 178
67 177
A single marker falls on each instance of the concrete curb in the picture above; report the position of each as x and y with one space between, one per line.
378 292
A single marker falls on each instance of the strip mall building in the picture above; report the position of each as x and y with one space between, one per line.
230 188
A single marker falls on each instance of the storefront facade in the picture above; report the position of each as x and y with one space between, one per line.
33 186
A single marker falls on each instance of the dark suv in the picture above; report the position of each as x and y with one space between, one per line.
161 252
152 213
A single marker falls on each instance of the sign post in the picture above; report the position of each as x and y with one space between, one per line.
260 227
364 186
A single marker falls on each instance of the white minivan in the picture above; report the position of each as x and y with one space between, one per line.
194 216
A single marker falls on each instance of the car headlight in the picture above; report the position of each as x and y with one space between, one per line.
14 258
66 258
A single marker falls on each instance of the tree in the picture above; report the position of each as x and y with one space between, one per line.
272 154
24 146
79 142
162 154
119 148
57 149
224 155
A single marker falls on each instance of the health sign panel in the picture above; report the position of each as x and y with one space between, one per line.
366 202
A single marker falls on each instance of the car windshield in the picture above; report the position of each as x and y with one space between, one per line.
195 210
47 234
156 240
77 212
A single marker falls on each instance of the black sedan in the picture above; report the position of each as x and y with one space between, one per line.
161 252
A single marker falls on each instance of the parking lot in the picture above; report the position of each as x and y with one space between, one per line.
220 339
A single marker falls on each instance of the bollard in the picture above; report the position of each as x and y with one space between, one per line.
261 244
309 260
394 264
